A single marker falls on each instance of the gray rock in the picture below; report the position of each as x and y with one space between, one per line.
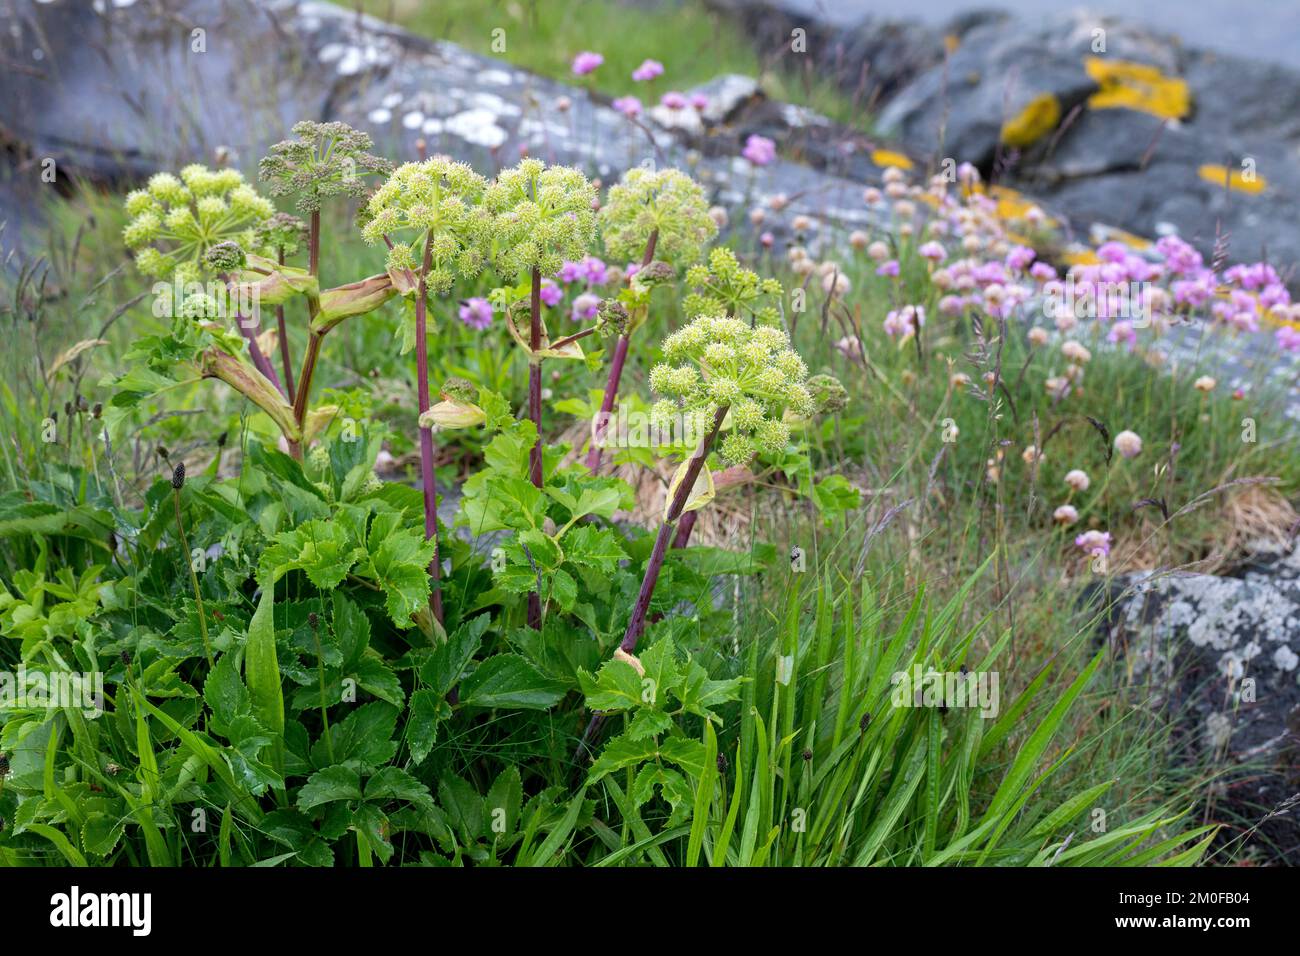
1122 166
120 92
869 57
1221 655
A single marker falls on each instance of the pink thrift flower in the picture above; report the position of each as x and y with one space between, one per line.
648 70
1019 258
551 293
570 272
1122 332
627 105
1094 542
1042 272
759 150
932 251
1112 252
1288 339
673 100
585 306
700 101
586 62
476 313
594 271
889 268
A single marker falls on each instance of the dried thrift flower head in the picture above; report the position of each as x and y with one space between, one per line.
176 220
725 287
1128 444
439 199
544 215
325 159
665 200
718 361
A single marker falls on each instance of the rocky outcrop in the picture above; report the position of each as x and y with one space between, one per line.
1103 120
1222 657
116 91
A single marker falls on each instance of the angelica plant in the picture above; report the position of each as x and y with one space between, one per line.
659 215
323 160
721 374
203 223
438 204
725 287
283 235
542 215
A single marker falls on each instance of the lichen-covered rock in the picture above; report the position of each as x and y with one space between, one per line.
1221 656
199 75
1105 120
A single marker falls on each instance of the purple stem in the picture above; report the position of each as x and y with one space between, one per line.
636 624
535 413
426 438
615 373
607 403
285 361
255 352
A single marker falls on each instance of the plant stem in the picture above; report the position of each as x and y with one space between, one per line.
636 624
194 578
426 435
249 332
607 403
313 244
285 362
535 413
615 373
684 529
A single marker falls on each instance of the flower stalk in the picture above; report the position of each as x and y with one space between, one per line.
426 432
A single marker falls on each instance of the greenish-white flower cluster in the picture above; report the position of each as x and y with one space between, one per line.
438 198
665 200
324 159
718 361
542 215
725 287
176 220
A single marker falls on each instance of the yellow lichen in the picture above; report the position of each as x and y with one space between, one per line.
1037 119
1137 86
1080 257
885 158
1243 181
1111 234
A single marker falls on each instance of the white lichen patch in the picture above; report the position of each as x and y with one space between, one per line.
477 126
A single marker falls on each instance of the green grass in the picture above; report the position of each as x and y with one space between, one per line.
693 43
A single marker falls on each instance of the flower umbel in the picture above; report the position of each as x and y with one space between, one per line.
543 215
176 220
720 361
324 159
724 286
439 198
664 201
